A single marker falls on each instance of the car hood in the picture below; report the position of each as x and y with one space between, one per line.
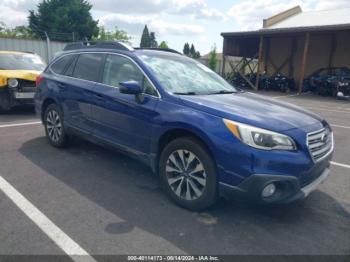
20 74
253 110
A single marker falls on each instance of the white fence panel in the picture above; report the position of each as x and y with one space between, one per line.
41 47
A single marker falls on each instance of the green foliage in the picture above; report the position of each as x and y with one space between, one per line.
163 44
2 26
115 35
145 39
60 18
17 32
191 51
186 50
154 43
213 59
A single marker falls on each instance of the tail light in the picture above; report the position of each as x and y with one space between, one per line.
38 80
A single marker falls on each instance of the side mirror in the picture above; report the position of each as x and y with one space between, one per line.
130 87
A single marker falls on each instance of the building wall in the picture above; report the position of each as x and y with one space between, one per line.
318 53
342 54
40 47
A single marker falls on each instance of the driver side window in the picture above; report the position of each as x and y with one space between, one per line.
119 69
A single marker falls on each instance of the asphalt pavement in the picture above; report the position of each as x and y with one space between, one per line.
106 203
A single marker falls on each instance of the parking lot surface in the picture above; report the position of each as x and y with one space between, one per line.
107 203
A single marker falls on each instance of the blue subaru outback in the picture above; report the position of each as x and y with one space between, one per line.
202 136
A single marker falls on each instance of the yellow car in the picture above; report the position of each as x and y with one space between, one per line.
18 72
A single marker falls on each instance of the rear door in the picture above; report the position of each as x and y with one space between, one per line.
77 89
122 118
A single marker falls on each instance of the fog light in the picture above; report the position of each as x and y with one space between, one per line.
269 190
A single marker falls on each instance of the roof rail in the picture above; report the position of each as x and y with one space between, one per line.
159 49
98 44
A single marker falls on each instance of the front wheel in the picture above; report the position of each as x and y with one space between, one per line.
5 102
188 174
53 122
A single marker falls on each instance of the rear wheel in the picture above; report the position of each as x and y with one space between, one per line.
54 128
188 174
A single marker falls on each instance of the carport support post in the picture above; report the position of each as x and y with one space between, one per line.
260 62
303 61
223 58
223 65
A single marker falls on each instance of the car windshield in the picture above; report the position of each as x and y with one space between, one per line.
182 75
14 61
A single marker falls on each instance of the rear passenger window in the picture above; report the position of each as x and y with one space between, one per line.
59 66
70 67
88 66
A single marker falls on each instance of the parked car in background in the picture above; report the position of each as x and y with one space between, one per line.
282 83
202 136
277 82
328 81
18 72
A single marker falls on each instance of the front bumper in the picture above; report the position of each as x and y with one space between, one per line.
18 96
288 188
344 91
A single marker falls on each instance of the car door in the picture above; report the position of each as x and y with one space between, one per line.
123 119
77 89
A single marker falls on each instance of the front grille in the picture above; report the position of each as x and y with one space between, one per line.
320 143
26 86
27 83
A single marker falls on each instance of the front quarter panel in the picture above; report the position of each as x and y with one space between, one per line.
223 146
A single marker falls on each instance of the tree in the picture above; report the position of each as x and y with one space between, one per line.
62 19
145 39
186 50
154 43
192 51
163 44
213 60
115 35
2 26
17 32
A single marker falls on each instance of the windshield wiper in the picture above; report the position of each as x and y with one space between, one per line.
223 92
185 93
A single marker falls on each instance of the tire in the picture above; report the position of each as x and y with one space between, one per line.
321 91
335 91
5 102
54 128
192 190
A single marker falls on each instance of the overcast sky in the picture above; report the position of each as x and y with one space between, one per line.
178 21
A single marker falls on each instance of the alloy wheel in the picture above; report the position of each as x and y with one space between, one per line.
186 174
54 126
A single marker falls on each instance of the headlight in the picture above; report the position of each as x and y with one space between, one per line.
343 84
260 138
12 82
